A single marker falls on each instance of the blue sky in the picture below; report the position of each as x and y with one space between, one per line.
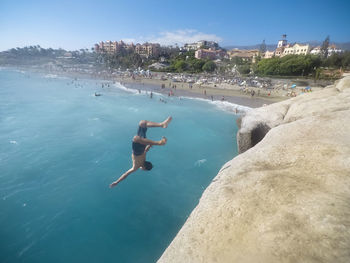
79 24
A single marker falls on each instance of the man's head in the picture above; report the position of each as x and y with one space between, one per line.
148 166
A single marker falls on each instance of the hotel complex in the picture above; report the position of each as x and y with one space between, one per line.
114 47
200 44
147 49
284 49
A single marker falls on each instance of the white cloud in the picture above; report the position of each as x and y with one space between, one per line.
183 36
130 40
180 37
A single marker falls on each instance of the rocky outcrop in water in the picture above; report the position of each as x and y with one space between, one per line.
287 199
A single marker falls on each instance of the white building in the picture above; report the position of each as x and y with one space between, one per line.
282 42
281 46
197 45
269 54
296 49
332 49
316 50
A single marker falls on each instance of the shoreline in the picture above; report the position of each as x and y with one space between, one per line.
220 92
183 90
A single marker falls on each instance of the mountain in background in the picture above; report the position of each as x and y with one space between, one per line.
271 47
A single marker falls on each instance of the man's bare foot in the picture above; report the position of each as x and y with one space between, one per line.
166 122
113 184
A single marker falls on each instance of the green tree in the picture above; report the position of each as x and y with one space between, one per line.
180 65
262 49
197 65
346 59
244 69
324 48
209 66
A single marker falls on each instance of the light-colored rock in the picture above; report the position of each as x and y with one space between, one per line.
287 199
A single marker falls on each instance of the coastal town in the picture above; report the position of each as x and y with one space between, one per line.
211 50
216 86
201 69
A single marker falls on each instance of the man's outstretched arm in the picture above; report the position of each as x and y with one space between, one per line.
121 178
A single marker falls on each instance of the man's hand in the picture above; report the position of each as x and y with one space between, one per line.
113 184
163 141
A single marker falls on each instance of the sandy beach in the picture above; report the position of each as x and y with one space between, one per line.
216 92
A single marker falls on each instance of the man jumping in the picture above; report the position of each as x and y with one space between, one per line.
140 146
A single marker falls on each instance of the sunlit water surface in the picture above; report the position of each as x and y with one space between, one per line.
60 148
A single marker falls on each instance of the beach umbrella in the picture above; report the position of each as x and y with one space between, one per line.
294 86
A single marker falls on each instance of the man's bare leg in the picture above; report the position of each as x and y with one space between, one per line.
163 124
166 122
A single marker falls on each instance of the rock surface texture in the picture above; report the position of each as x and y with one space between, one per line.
287 199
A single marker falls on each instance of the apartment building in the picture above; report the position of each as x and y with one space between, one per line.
197 45
209 54
147 49
112 46
244 54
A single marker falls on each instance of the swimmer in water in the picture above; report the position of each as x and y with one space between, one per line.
140 146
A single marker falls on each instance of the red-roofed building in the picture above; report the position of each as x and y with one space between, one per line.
209 54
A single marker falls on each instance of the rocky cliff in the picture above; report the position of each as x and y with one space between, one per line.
286 197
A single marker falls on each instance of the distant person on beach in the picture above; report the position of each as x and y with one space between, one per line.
140 146
151 95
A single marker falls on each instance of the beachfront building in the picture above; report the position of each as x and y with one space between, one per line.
112 46
316 50
283 41
148 49
192 46
284 49
246 55
269 54
199 44
281 45
279 51
332 49
296 49
209 54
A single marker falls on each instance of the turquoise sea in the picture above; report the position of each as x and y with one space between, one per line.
61 147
